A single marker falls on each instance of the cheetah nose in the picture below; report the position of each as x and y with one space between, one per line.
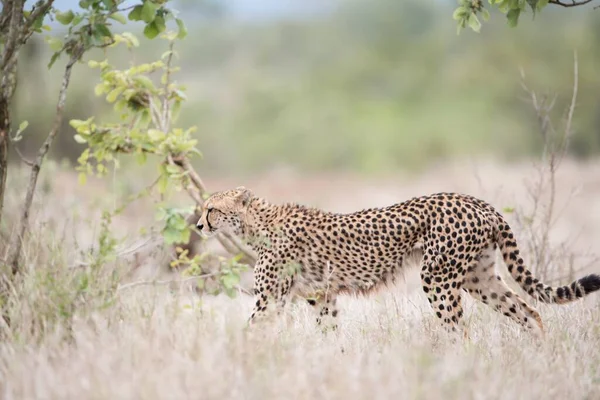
199 226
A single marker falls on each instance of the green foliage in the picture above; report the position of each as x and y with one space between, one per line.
146 101
145 111
91 26
176 229
466 14
380 90
225 280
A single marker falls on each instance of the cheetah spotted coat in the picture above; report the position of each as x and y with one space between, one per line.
317 255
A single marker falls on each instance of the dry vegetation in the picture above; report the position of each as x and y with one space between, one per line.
165 342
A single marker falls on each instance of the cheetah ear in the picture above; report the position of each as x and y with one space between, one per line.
244 195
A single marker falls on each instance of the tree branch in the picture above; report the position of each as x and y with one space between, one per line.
12 14
23 158
573 3
17 238
36 12
12 39
164 282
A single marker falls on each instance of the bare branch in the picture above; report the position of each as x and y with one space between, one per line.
569 122
120 253
545 213
22 157
573 3
37 11
166 110
17 238
12 38
164 282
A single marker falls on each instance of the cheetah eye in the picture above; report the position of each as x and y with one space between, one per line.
213 210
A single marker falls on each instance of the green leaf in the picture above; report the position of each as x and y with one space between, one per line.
161 214
65 18
230 292
459 13
145 118
485 14
82 178
182 29
176 110
173 169
148 12
109 4
120 105
18 136
85 3
172 236
131 38
230 280
541 4
141 158
55 43
160 24
79 139
151 30
135 14
77 20
474 23
22 126
118 17
513 17
163 184
102 30
113 95
155 135
144 81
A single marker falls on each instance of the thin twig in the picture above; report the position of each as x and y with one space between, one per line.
166 110
555 150
22 157
569 123
573 3
119 254
38 12
164 282
17 237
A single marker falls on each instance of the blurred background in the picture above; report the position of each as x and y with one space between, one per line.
354 86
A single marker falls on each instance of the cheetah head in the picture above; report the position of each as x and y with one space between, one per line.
222 211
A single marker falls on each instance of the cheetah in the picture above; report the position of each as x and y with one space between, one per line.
317 255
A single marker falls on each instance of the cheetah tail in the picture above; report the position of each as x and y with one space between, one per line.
536 289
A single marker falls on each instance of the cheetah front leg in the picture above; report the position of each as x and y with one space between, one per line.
265 289
271 290
327 309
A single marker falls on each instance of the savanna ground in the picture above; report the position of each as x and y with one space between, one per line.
163 341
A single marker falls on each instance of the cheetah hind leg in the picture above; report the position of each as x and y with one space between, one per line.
446 303
483 283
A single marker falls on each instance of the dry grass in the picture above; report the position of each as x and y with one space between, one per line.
387 347
154 343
